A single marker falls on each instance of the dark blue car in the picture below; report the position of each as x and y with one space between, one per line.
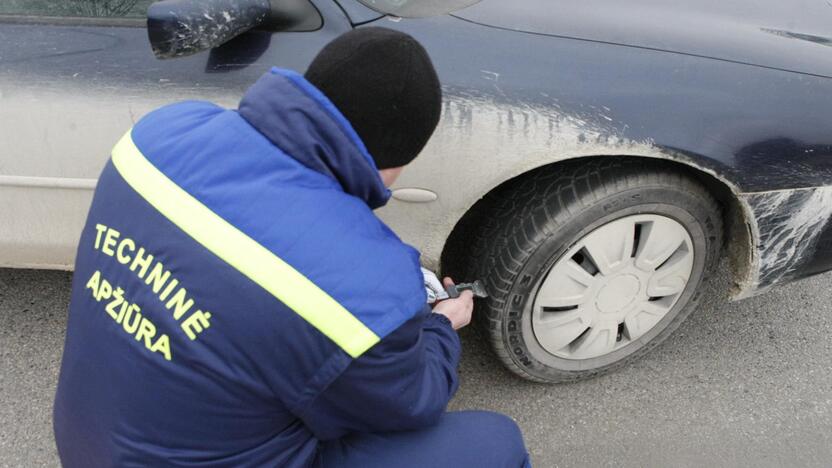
594 162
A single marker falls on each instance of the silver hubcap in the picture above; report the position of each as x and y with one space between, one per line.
612 286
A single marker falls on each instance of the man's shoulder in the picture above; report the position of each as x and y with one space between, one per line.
181 124
178 109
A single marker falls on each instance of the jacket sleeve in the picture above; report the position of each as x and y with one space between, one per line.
402 383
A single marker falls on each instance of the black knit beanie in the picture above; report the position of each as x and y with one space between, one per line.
384 83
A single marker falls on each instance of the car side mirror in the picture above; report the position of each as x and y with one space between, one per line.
177 28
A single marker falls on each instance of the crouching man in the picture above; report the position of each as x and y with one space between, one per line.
237 303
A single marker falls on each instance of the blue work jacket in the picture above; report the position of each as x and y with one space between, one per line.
236 301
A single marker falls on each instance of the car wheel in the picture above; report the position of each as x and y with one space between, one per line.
590 268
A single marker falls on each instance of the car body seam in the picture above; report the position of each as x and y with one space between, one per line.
633 46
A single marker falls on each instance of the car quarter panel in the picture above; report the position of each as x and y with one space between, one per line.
517 101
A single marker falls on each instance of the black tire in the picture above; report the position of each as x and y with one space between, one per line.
536 220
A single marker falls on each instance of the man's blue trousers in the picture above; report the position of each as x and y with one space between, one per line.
475 439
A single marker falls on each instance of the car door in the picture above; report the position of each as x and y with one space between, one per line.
75 75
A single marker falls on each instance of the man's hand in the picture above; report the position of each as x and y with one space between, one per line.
458 310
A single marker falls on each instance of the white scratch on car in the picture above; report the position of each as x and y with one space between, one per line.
793 221
490 75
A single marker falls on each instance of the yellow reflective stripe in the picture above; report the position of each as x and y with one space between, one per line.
242 252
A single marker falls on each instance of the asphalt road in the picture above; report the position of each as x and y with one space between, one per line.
743 384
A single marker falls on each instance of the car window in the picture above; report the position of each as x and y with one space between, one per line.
417 8
76 8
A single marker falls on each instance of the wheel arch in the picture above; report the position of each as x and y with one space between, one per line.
740 234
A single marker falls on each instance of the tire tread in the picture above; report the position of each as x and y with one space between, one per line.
545 199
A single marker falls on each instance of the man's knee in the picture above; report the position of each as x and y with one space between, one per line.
461 439
503 430
495 433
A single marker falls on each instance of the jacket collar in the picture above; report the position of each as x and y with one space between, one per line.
304 124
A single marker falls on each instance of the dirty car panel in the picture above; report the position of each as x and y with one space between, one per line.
756 129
